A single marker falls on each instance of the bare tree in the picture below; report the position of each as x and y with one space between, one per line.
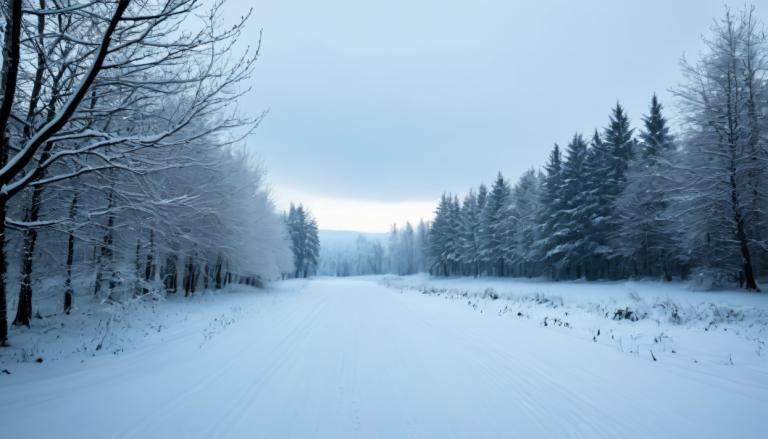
112 83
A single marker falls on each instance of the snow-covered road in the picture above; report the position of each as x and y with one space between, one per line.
353 359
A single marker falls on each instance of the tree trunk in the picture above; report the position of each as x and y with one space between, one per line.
149 269
12 10
24 307
97 283
749 273
3 305
70 256
109 244
193 275
217 273
137 289
172 274
206 275
741 234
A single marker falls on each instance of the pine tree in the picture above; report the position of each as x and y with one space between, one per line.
492 233
407 250
469 238
571 234
642 235
422 246
618 137
305 242
655 138
482 196
550 201
438 237
393 250
525 209
597 207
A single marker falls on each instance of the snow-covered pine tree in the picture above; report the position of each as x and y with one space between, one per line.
642 236
597 206
525 209
438 237
550 211
492 233
393 250
305 241
571 252
619 140
422 246
482 198
453 241
469 239
407 250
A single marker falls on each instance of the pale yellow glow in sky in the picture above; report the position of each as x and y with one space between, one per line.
357 215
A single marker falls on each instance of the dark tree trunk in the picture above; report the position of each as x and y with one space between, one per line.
665 267
3 304
70 257
741 235
194 273
24 308
206 275
149 268
190 278
97 284
137 289
170 274
217 273
106 252
109 243
299 264
749 272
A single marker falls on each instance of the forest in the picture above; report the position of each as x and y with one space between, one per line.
123 169
654 201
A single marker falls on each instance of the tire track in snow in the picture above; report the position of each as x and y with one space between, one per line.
231 366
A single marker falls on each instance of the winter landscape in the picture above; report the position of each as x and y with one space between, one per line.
345 220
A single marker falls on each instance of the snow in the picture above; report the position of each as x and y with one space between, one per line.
404 357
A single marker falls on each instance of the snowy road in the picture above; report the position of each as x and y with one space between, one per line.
353 359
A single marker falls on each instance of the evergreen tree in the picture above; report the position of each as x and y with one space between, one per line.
408 250
393 250
655 138
305 241
618 137
571 233
482 196
597 207
549 215
438 238
469 238
642 236
422 247
492 232
525 210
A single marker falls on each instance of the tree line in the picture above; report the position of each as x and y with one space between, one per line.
403 251
120 168
637 203
304 239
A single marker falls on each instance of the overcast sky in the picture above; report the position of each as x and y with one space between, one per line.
376 108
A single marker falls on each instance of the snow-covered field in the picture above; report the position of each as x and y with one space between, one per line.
399 357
